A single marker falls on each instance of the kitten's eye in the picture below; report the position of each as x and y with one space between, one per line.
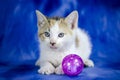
47 34
61 35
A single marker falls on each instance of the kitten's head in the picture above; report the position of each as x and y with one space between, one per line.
57 33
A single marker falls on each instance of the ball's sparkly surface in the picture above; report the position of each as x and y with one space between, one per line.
72 65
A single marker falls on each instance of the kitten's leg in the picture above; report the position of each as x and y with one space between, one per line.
89 63
46 68
37 62
59 70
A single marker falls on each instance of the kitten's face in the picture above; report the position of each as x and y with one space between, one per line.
54 33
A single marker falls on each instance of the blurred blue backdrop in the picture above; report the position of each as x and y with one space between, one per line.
19 42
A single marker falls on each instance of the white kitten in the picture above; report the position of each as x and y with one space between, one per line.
59 37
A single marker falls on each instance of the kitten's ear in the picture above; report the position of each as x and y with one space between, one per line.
41 19
72 19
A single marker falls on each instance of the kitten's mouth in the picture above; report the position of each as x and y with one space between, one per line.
53 47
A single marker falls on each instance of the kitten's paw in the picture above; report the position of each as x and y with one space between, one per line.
59 70
89 63
46 70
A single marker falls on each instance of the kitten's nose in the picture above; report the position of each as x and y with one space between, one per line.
52 43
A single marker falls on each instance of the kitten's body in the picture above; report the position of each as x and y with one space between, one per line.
63 37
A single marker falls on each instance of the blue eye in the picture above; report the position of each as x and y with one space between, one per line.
61 35
47 34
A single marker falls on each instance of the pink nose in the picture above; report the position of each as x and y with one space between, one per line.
52 43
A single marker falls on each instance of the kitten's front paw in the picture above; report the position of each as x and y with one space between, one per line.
89 63
59 70
46 70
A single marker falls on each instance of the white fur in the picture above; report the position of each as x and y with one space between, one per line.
50 59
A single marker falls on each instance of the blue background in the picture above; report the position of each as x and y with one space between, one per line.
19 42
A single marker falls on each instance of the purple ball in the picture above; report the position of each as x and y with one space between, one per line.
72 65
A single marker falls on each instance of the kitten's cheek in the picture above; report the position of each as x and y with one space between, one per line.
60 45
48 45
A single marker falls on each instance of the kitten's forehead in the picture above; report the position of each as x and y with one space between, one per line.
54 24
57 25
54 27
52 21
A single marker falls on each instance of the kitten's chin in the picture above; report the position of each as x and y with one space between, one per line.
53 47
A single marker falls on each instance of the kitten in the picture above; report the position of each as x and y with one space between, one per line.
59 37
